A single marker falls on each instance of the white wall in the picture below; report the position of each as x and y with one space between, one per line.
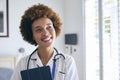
71 14
74 23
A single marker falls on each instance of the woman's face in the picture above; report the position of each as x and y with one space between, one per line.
43 32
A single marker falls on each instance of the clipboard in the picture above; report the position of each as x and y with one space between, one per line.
40 73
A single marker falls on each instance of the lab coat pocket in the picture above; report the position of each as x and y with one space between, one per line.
61 75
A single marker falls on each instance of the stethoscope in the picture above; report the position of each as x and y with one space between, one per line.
56 57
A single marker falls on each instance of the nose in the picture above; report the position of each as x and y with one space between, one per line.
45 32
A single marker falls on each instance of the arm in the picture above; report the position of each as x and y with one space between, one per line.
71 69
20 66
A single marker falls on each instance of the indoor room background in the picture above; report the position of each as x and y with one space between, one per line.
94 26
70 12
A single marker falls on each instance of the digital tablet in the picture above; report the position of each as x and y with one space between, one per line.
40 73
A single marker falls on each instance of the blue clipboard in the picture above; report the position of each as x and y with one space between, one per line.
40 73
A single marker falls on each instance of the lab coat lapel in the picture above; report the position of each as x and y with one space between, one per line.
36 59
38 62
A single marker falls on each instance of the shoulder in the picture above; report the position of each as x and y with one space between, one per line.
23 59
68 56
70 63
22 63
69 59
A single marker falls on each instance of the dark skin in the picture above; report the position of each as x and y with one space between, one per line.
44 35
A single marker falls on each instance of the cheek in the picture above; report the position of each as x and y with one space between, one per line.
54 35
53 31
35 36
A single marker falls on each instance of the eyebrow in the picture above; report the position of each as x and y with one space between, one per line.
49 23
36 27
45 24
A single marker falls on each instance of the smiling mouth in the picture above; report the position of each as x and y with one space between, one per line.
47 39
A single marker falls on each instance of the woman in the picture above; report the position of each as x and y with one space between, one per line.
40 26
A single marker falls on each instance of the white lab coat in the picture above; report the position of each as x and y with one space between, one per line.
67 66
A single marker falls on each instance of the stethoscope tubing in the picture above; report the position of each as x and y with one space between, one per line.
30 58
54 60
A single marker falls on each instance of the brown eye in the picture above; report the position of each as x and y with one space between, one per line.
38 30
50 27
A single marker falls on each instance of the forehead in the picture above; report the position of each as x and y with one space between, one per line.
42 21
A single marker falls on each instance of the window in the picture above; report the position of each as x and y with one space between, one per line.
102 22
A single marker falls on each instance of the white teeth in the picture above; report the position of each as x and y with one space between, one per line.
46 39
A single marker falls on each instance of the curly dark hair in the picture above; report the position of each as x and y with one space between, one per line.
33 13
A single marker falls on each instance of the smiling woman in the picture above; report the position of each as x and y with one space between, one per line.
40 25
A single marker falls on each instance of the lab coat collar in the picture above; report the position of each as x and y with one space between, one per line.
38 62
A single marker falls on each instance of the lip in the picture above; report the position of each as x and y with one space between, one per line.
47 39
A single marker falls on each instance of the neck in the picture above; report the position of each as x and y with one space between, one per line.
45 51
45 54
